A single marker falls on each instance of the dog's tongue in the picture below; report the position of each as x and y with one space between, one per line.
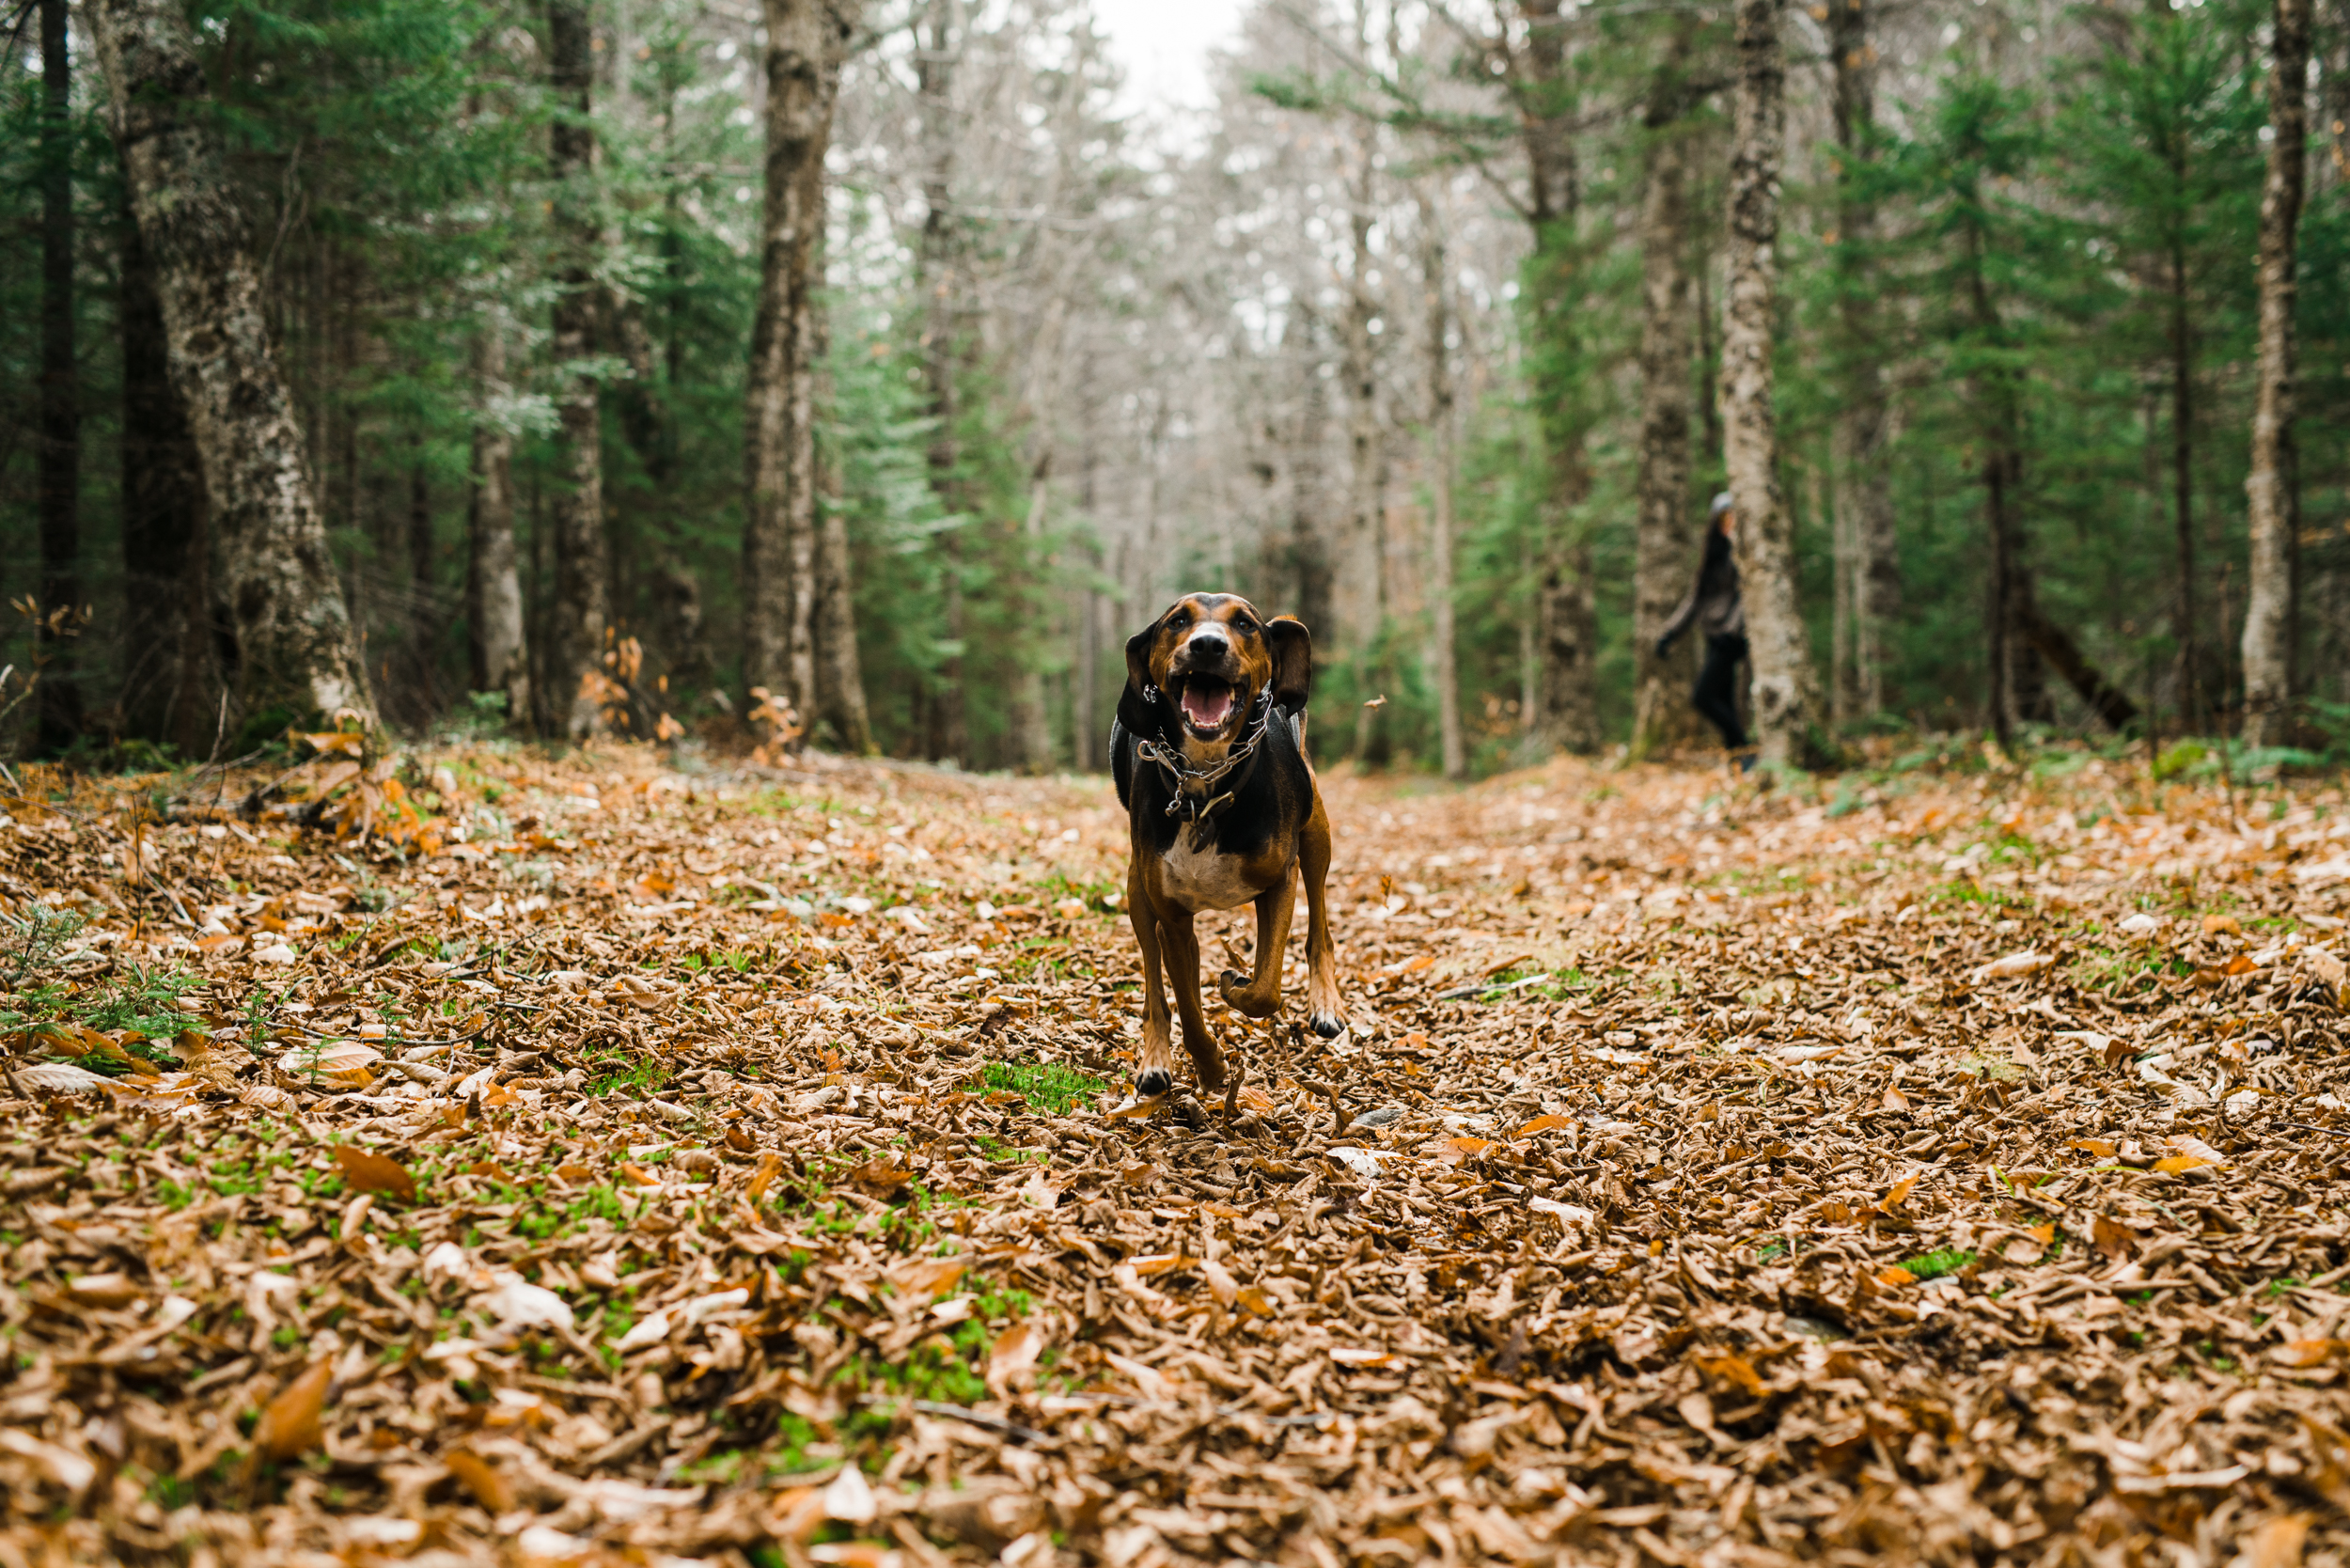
1207 706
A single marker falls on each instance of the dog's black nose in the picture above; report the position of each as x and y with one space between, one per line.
1208 645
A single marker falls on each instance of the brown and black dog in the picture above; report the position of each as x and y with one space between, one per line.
1209 754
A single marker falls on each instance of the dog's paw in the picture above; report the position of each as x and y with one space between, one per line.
1154 1082
1327 1025
1234 987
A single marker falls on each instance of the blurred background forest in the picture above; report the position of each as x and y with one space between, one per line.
1417 335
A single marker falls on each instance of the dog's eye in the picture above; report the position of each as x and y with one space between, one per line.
1244 626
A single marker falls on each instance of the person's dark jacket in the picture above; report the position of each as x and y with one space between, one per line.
1713 603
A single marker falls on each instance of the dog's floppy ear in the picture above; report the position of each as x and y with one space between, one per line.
1292 661
1138 657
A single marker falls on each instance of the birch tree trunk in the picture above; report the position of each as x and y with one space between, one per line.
1786 696
1663 547
2271 487
582 588
494 588
1863 498
1366 541
1443 657
295 646
806 40
59 480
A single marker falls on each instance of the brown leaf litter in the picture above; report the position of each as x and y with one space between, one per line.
596 1161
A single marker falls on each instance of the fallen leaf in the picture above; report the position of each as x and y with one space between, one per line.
364 1170
289 1427
490 1489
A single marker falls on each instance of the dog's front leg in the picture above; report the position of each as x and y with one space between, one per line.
1325 1012
1181 942
1155 1071
1258 995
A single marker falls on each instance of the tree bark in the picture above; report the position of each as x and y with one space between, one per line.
59 480
2106 700
1308 551
937 259
169 693
2271 488
2182 479
1863 498
582 592
840 681
1027 736
1366 541
1436 279
806 40
295 646
1663 545
493 589
2336 87
1786 700
1566 604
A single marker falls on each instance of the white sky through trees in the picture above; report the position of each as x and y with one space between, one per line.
1163 46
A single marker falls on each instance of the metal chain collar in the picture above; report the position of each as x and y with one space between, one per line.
1177 775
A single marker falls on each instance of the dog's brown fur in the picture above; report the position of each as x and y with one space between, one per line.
1247 849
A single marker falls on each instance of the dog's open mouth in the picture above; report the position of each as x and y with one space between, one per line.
1207 703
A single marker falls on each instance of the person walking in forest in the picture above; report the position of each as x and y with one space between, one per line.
1714 605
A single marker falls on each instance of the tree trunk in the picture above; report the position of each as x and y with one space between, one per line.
2183 489
1435 278
840 681
1028 738
1863 500
937 258
583 590
1664 548
1366 541
421 699
295 646
2106 700
806 40
2271 487
1786 700
1309 551
1566 618
60 468
2335 86
679 636
493 589
171 693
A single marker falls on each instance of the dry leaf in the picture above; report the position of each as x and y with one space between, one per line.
364 1170
289 1426
490 1489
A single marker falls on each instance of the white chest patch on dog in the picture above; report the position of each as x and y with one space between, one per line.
1200 878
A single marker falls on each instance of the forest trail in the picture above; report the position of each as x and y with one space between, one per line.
630 1164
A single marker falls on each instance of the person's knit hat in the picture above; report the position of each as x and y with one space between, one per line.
1721 505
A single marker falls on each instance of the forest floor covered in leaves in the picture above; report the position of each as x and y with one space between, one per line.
625 1159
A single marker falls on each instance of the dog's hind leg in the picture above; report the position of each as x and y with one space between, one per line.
1180 939
1325 1012
1155 1071
1258 995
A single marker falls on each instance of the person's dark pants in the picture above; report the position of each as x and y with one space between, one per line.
1717 695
